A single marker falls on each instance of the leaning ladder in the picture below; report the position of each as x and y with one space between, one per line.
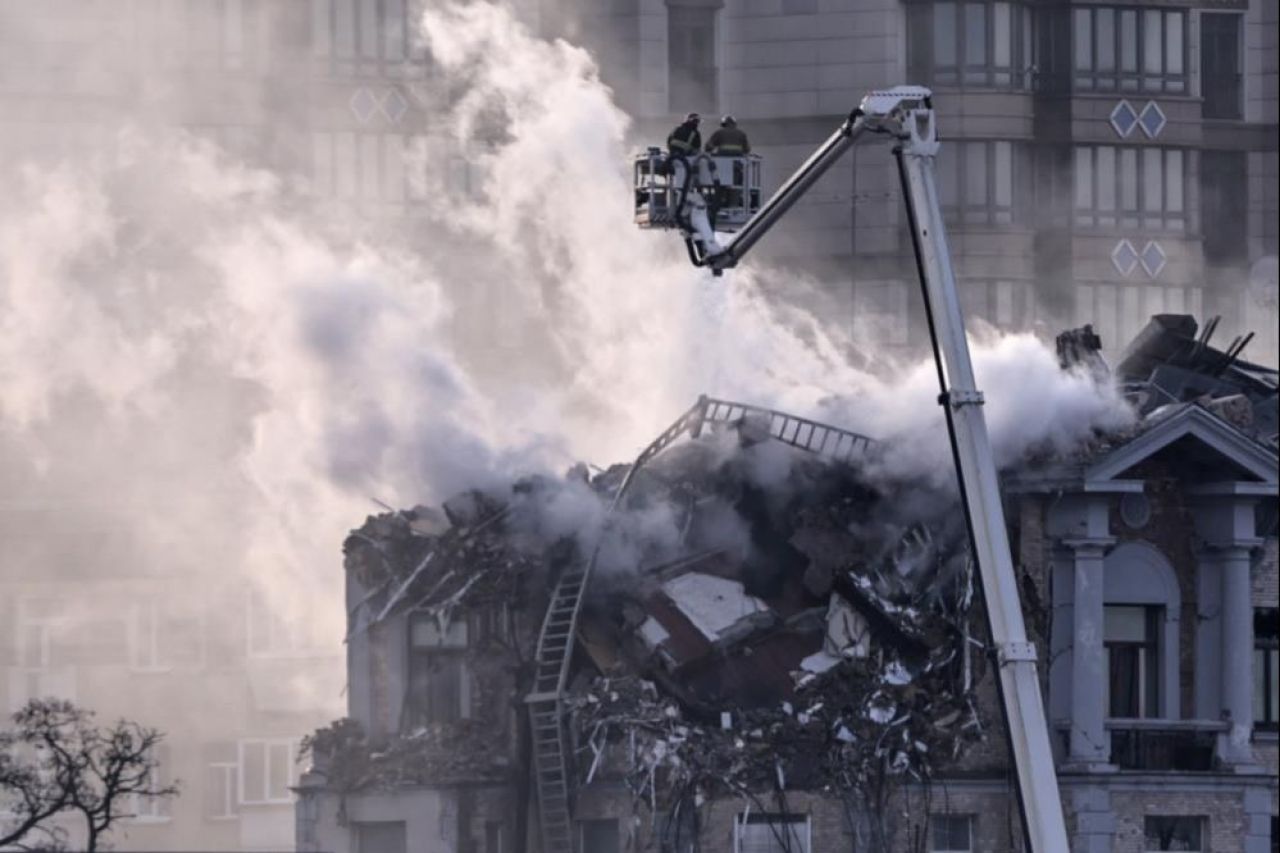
547 719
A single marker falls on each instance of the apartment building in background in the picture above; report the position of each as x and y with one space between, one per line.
1102 162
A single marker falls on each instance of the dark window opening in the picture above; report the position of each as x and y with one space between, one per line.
380 837
1224 188
691 45
439 680
1220 75
951 833
1133 661
1266 668
1173 833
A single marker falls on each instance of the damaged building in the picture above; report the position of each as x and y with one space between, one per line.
746 642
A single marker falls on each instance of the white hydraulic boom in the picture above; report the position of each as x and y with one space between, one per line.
905 113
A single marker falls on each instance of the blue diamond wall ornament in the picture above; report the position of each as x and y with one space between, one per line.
1152 119
394 106
1123 119
1124 258
363 105
1153 258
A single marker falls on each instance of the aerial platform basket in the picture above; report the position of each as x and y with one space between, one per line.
657 190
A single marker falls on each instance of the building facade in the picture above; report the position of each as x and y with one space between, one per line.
1101 163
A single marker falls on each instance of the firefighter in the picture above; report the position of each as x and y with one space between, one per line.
685 140
728 140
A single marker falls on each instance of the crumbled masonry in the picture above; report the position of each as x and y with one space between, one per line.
839 669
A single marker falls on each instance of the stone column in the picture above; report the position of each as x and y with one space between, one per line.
1090 745
1237 653
1224 519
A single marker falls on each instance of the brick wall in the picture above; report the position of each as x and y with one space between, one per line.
1224 812
1265 577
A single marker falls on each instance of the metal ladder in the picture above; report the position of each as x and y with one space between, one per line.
546 710
547 719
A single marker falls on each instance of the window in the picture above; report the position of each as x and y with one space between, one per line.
1220 66
380 837
1000 303
599 836
1133 680
203 34
37 618
370 38
160 640
439 681
771 833
1266 668
1130 187
1129 50
274 634
1173 833
1224 183
146 809
222 782
691 46
976 181
266 771
970 44
951 833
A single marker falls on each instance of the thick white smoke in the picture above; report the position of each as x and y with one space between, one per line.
181 333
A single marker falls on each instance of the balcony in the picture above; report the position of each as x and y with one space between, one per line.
1164 745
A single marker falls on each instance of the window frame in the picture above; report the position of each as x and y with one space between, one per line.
935 842
1201 822
450 650
789 819
1150 661
923 30
1129 172
1120 79
267 745
370 23
151 809
1269 647
954 190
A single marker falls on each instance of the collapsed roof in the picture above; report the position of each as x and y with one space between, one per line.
1169 365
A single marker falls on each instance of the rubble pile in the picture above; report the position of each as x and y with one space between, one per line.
1171 363
851 728
351 761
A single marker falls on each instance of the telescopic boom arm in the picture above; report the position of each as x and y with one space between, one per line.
906 114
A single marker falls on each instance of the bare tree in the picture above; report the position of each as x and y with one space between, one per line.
56 760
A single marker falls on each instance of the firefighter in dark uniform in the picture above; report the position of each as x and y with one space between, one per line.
729 140
685 140
683 144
